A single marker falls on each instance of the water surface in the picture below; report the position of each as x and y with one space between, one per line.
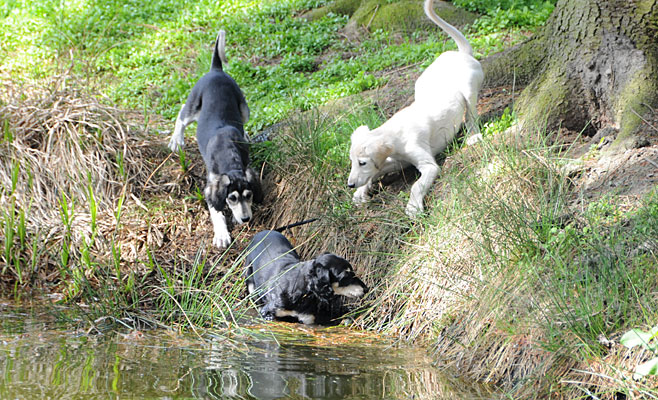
43 357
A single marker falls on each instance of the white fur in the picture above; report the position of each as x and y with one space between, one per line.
445 93
222 238
355 291
306 319
241 210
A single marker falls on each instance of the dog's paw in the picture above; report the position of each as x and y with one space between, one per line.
221 240
267 313
360 196
471 140
413 210
176 143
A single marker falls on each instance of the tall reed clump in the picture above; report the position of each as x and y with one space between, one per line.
513 279
204 293
67 165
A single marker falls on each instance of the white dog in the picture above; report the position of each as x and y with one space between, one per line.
444 93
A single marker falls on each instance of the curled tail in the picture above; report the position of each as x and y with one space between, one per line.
219 55
462 43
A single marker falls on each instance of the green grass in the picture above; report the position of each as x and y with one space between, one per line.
148 55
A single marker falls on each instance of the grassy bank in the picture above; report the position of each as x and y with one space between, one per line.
518 274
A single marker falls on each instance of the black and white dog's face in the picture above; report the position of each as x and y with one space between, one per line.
235 190
334 275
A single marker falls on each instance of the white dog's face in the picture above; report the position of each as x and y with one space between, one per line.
234 192
364 167
240 205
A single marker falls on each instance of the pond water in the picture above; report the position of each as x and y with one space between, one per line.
43 357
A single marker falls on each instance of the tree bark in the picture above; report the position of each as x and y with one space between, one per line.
593 66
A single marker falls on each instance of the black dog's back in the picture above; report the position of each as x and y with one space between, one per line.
268 249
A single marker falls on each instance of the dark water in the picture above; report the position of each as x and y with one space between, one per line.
41 358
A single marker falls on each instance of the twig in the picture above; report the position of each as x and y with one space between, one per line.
373 17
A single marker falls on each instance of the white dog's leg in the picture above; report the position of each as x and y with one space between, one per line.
177 140
471 140
222 237
472 126
361 194
428 172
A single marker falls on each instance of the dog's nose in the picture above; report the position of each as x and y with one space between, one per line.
350 185
245 219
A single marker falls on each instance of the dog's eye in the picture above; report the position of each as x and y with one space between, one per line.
362 163
233 198
247 194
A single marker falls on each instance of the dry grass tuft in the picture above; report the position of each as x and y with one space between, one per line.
61 145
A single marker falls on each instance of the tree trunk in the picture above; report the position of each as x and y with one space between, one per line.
593 66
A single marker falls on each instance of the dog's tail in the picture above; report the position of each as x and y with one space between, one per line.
219 54
462 43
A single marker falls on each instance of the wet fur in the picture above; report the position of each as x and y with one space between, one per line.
288 289
218 106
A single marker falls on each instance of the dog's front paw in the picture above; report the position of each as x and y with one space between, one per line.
360 196
413 210
267 313
176 143
221 240
471 140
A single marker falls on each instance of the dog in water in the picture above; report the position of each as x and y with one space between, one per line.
218 106
445 94
288 289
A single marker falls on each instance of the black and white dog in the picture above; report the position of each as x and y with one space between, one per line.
291 290
220 109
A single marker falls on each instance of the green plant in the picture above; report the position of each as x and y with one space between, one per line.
637 337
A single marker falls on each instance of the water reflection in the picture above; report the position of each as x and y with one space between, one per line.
37 361
271 371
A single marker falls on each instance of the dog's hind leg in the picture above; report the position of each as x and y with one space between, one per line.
428 172
473 134
222 238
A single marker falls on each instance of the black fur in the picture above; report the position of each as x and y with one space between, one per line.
220 109
281 281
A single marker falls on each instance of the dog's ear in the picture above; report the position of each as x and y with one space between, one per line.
217 190
363 129
320 282
334 264
378 150
254 183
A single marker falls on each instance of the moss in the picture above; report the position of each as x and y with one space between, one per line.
518 65
405 15
339 7
631 104
547 96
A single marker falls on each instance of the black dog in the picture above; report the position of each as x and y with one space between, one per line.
218 105
298 291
